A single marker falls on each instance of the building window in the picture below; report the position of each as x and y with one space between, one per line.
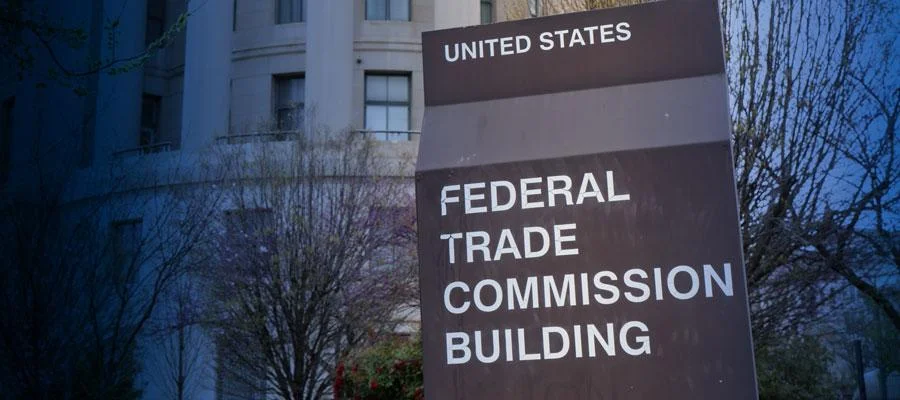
151 106
156 18
291 11
534 8
487 11
126 243
289 108
387 106
387 10
6 131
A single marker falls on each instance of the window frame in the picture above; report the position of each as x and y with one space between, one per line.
161 20
278 5
276 99
490 4
119 256
156 137
387 11
388 103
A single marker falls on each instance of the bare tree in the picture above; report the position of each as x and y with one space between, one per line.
866 220
814 106
788 68
182 350
87 255
86 261
797 102
314 259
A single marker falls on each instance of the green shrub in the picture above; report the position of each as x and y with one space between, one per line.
389 370
797 369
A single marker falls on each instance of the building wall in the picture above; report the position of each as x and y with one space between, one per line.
206 74
261 48
333 50
214 80
510 10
